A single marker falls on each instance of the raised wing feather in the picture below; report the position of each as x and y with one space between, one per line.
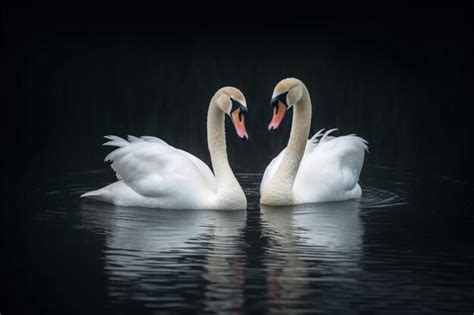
153 168
330 168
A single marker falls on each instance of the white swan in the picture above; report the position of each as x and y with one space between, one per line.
153 174
324 168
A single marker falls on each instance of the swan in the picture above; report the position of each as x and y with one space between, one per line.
153 174
323 168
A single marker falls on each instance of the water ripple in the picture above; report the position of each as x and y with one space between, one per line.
390 250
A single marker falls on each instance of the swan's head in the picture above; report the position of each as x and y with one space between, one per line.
286 93
232 102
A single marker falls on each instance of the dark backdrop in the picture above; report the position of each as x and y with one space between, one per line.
397 75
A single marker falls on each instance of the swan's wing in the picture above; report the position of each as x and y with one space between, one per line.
344 149
333 164
271 169
205 171
203 168
153 168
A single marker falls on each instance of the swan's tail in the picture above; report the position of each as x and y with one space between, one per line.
95 194
110 193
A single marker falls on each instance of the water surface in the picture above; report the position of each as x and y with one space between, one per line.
403 247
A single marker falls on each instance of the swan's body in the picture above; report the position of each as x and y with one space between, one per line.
153 174
329 169
324 168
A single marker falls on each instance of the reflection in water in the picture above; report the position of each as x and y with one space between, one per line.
310 244
225 263
149 251
404 247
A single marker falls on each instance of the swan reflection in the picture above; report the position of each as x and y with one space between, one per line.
311 247
165 256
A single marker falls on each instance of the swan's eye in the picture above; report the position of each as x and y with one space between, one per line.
237 105
279 100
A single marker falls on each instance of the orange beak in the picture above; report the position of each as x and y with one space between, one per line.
238 118
279 111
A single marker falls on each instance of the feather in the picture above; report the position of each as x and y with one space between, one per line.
139 161
115 141
131 138
315 139
152 139
326 134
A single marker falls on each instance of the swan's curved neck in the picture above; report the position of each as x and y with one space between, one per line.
226 181
280 187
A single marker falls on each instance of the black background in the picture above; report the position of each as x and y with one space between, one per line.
398 75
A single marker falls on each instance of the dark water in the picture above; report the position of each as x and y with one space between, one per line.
404 247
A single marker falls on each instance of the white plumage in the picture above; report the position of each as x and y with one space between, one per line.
323 168
152 173
329 169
